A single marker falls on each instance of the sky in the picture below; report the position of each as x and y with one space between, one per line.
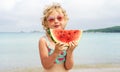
25 15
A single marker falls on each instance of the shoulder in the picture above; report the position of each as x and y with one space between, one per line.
43 47
42 40
42 43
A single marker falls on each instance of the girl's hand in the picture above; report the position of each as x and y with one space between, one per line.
59 47
72 46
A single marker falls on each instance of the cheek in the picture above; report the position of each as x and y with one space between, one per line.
47 24
50 24
64 24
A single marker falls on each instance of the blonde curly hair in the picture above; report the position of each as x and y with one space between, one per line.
48 10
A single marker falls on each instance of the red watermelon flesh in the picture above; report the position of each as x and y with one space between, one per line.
65 36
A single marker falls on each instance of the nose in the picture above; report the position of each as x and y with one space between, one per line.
56 20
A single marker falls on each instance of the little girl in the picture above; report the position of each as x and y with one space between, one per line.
54 56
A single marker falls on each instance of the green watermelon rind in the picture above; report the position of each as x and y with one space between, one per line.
49 32
57 41
51 35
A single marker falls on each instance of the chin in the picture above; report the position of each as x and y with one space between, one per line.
58 28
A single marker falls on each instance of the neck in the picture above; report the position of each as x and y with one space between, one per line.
49 37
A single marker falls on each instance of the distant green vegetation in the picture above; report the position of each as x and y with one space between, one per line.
114 29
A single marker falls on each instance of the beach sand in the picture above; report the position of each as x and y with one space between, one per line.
97 70
79 68
73 70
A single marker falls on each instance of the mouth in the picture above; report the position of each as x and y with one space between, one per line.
56 26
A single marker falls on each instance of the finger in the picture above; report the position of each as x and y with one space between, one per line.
69 44
57 46
61 44
75 43
63 48
57 43
72 44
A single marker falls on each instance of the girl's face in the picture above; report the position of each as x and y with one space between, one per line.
56 20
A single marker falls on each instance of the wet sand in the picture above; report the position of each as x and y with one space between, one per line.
73 70
97 70
79 68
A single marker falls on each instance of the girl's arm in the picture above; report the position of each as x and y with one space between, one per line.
69 60
69 57
47 61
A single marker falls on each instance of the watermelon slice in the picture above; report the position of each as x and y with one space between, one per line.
65 36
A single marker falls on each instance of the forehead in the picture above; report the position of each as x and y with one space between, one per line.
56 12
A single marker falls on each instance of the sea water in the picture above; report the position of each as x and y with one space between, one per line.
21 49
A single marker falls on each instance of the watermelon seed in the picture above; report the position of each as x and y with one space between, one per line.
61 36
69 33
68 39
75 32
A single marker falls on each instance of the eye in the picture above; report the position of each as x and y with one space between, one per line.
51 19
59 18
